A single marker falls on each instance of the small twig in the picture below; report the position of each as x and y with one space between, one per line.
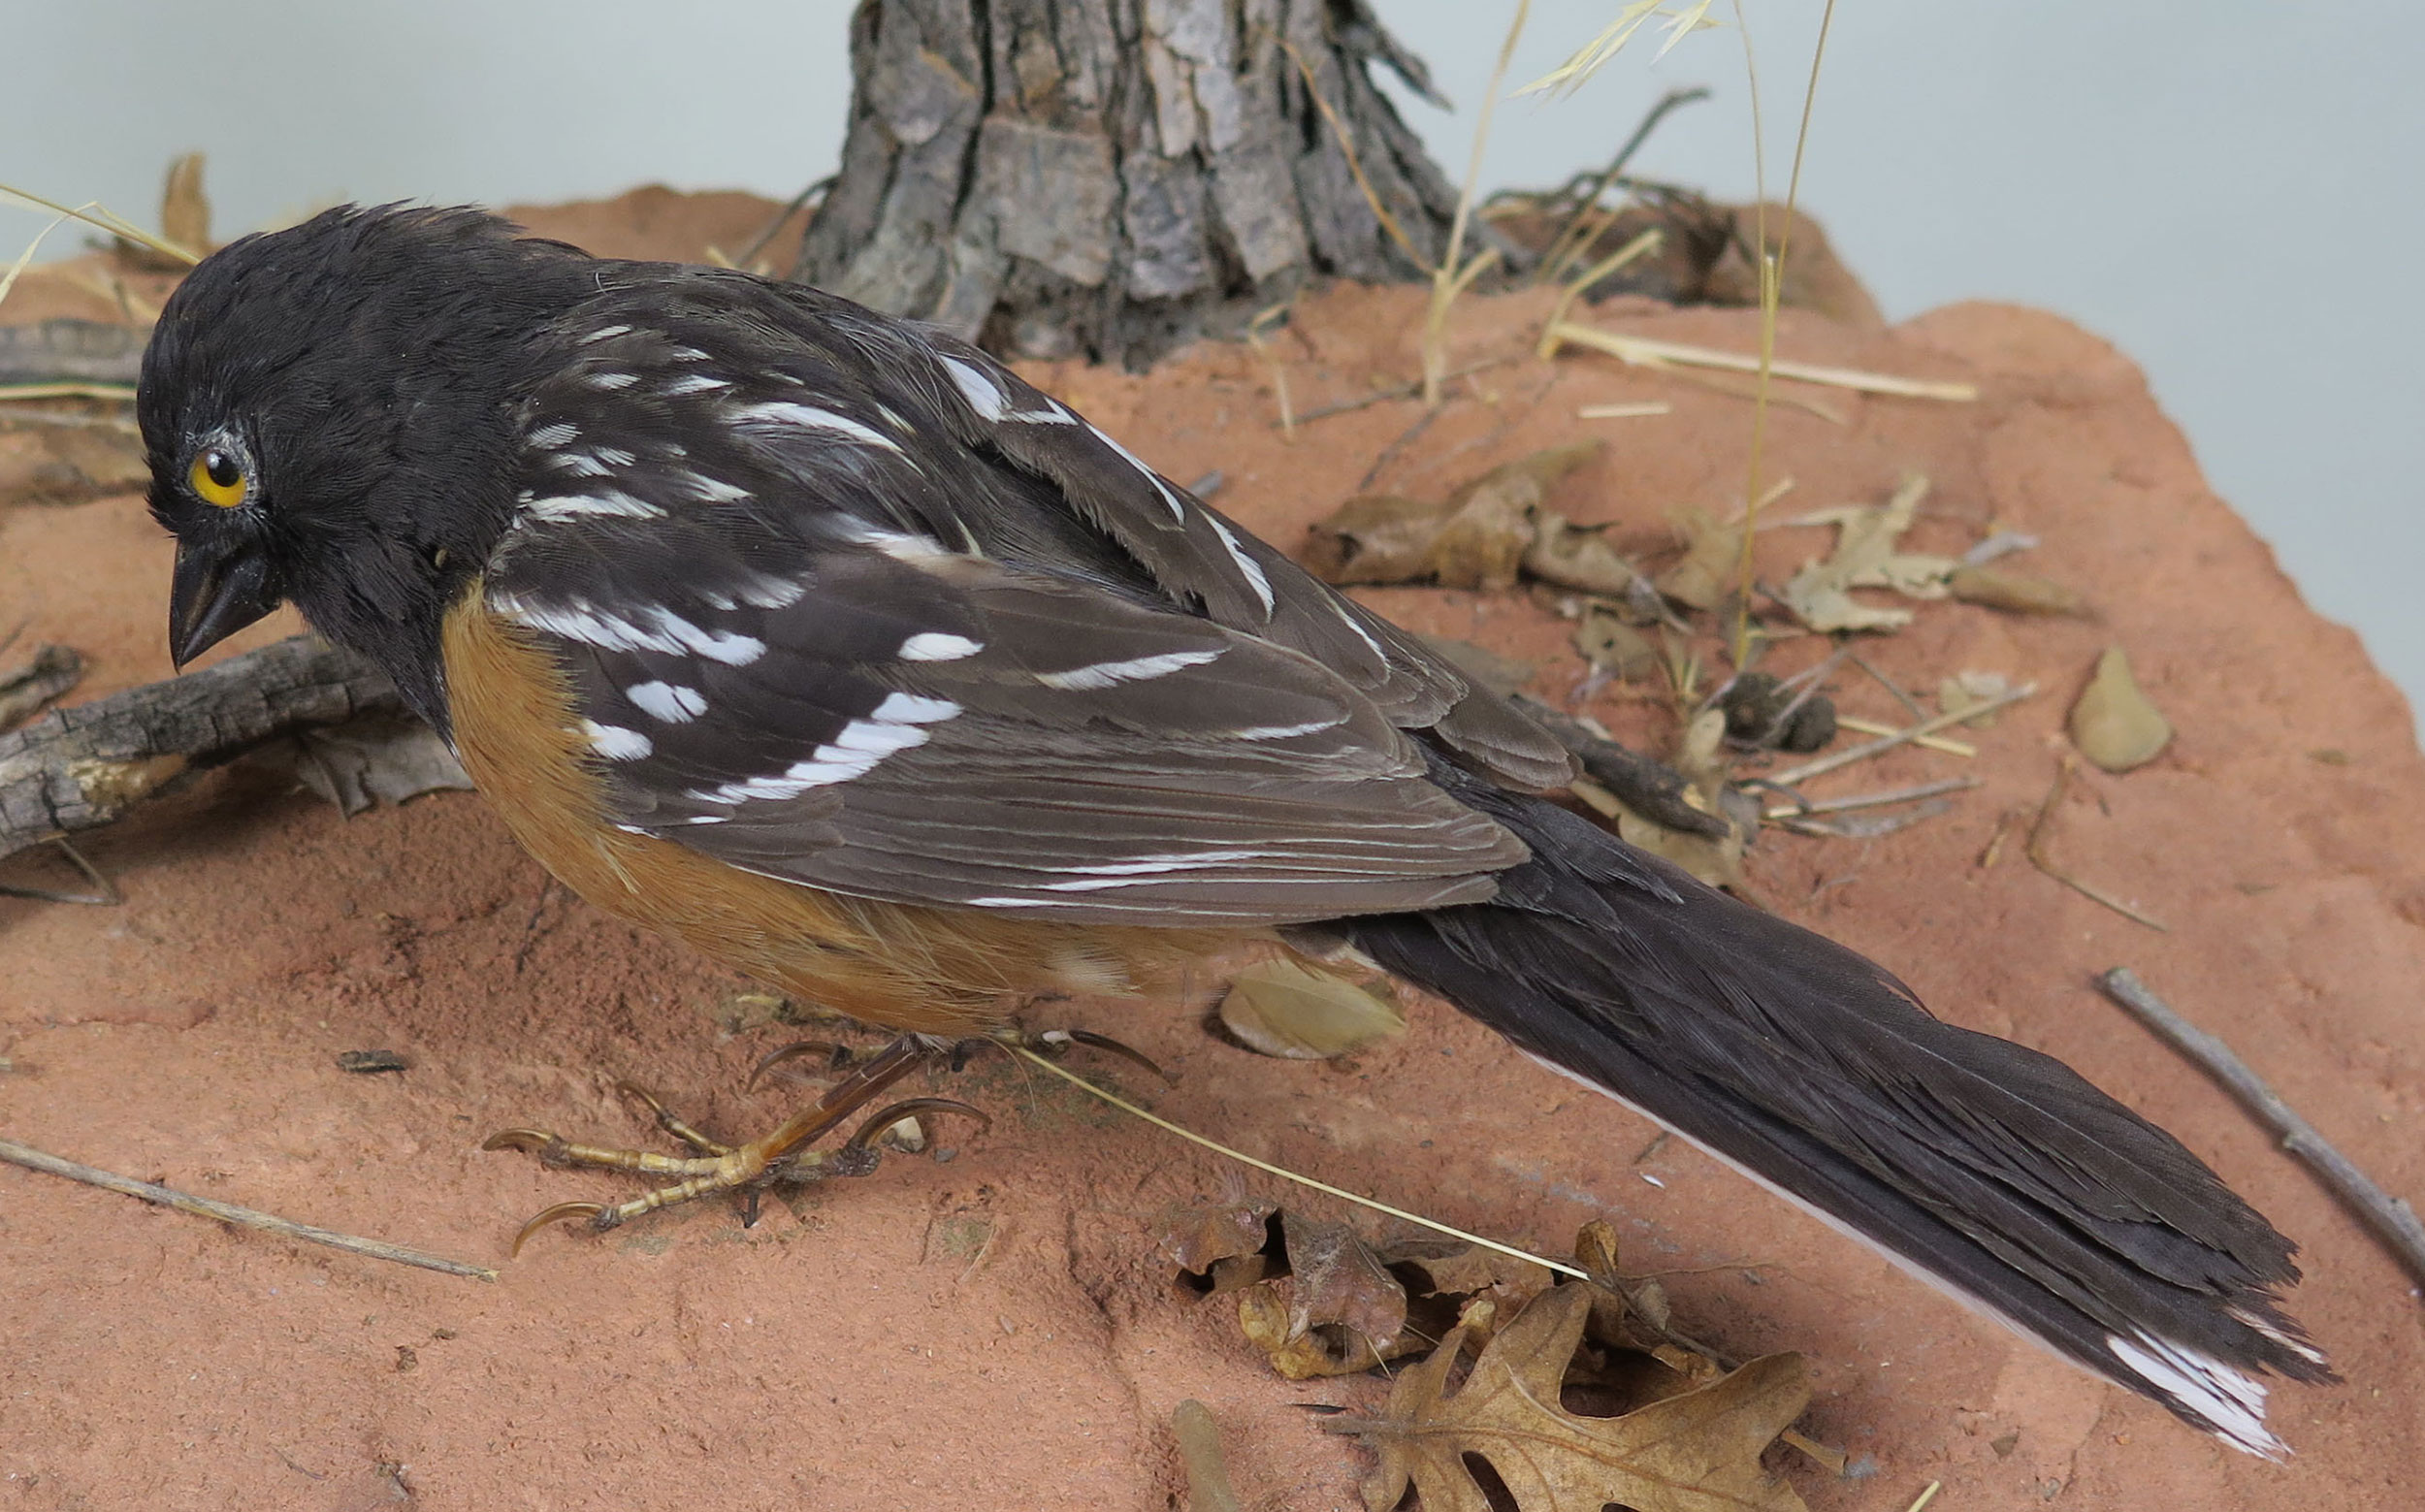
1389 452
799 201
1672 100
1650 787
104 889
1921 1502
1864 727
1874 800
2042 831
1863 826
1649 352
1641 411
1396 391
242 1217
2391 1217
1910 704
1803 773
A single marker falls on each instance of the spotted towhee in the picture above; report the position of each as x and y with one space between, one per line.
821 641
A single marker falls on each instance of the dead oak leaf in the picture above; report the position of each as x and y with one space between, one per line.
1866 556
1337 1311
1694 1452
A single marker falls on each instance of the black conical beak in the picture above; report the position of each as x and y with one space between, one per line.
213 595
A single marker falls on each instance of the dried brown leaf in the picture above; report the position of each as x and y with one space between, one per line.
1374 538
1694 1452
1866 556
1451 1268
185 210
1288 1008
1712 555
380 759
1577 557
1613 646
1476 538
2113 723
1339 1310
1201 1233
2016 593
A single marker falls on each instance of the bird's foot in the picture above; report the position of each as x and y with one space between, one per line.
746 1169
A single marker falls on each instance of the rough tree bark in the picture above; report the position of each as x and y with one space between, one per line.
1114 178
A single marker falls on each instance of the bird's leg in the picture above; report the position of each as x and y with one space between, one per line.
740 1168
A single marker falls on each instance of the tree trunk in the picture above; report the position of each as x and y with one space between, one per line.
1116 178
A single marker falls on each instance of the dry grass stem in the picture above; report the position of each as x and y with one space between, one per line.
1794 776
2390 1217
1874 800
1286 1174
242 1217
97 214
2041 834
1451 277
1263 321
1642 411
107 393
1638 248
1944 743
1347 148
1921 1502
1641 351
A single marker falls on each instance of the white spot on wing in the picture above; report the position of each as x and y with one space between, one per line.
1248 568
640 630
810 417
709 491
938 646
1284 732
605 503
605 334
695 383
1178 512
611 382
981 391
1104 674
893 725
548 437
670 702
616 743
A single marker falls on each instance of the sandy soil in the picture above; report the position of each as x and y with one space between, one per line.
999 1331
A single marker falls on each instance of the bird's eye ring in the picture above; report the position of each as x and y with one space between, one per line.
218 478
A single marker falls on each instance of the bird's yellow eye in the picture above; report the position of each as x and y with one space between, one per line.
219 478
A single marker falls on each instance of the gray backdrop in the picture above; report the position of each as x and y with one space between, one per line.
2228 191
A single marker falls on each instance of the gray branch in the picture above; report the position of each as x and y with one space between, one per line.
2390 1217
83 767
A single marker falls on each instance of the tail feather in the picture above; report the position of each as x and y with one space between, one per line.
1993 1171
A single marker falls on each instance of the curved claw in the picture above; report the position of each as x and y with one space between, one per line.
792 1051
625 1087
1104 1042
884 1118
533 1141
557 1213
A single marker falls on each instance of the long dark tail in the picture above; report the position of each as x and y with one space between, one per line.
1991 1169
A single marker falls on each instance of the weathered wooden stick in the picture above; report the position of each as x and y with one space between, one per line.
83 767
2391 1218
